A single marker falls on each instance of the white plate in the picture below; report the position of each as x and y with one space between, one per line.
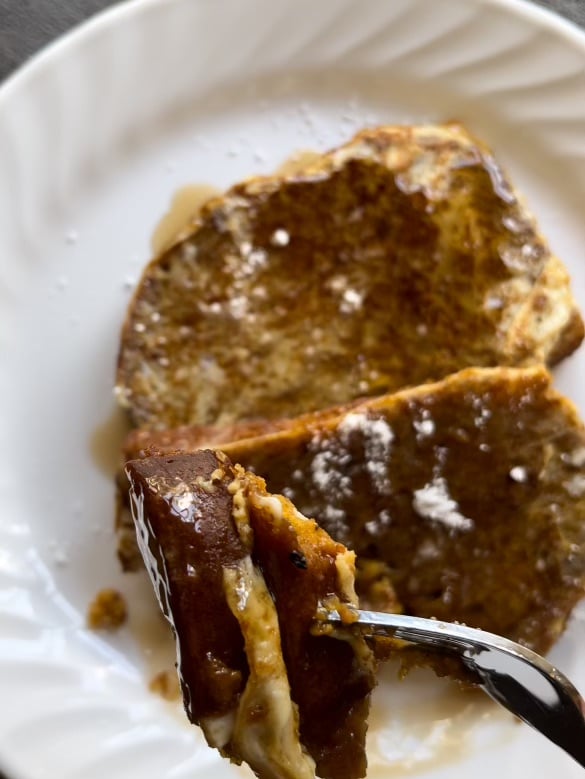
95 136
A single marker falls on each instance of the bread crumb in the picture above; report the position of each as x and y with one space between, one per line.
107 611
166 684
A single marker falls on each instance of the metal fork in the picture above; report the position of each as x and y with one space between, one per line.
517 678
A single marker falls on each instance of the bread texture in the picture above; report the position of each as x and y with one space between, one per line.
396 259
468 495
242 576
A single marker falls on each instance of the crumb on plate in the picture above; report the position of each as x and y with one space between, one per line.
107 611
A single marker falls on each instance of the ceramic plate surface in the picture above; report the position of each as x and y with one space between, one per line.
96 135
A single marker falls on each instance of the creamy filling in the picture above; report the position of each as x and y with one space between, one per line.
240 515
219 730
269 502
266 732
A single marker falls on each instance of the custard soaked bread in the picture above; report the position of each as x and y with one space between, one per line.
398 258
467 495
241 576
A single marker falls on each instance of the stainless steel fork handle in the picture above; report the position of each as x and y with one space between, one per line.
516 677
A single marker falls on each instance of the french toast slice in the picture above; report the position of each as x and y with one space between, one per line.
241 577
469 494
398 258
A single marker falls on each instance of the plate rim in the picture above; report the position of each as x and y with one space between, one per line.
57 51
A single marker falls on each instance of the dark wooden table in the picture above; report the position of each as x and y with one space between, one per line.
28 25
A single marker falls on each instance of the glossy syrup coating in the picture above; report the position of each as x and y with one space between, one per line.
186 544
400 257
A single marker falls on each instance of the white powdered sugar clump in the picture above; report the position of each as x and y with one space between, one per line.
334 464
280 237
238 306
424 427
519 474
434 502
336 517
493 303
576 458
377 439
351 300
326 473
576 486
333 485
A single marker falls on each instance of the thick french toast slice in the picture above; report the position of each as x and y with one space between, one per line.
400 257
469 493
241 577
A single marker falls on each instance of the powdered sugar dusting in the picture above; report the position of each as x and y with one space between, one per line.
336 461
332 484
238 306
351 300
519 474
434 502
576 458
280 237
326 473
575 486
424 427
427 551
377 526
377 438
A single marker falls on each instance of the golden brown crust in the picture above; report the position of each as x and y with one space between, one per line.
570 338
406 241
